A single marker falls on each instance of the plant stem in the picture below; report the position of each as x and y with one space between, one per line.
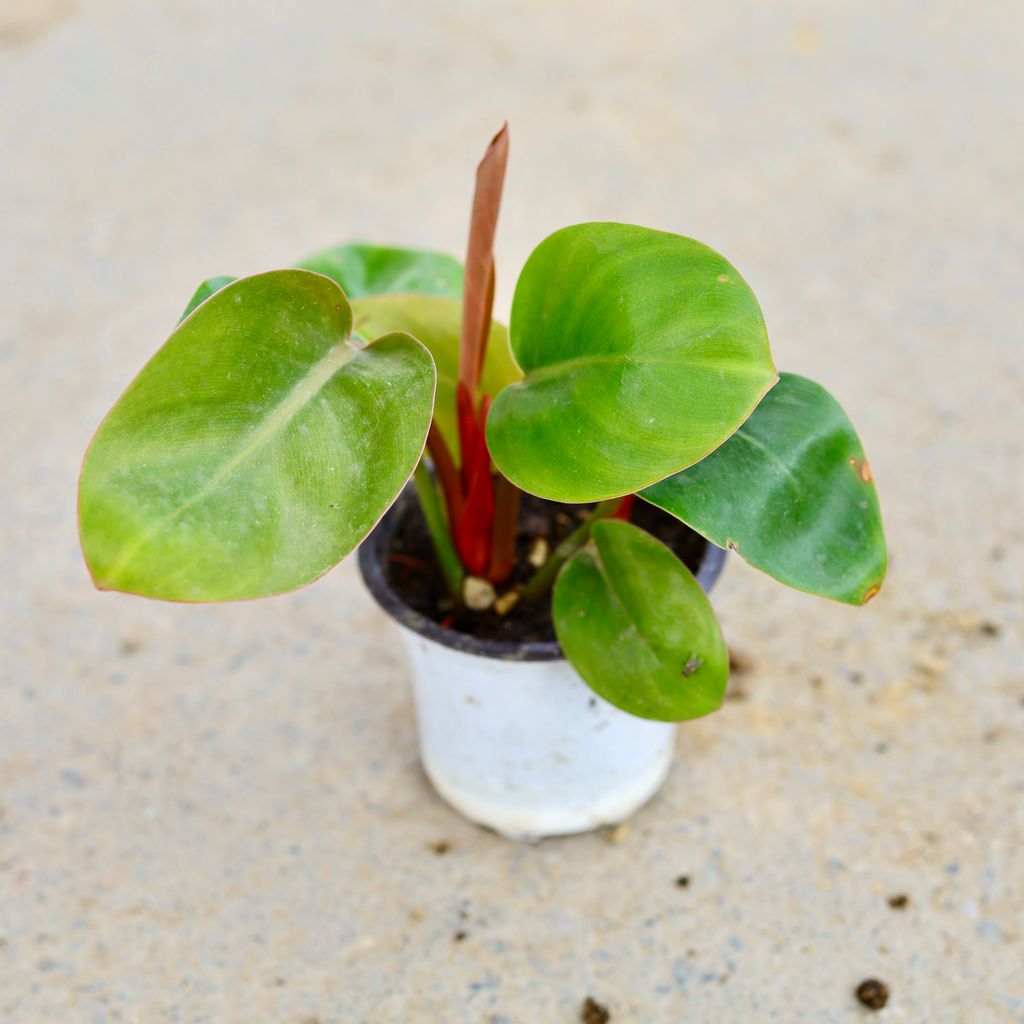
544 577
437 527
447 473
503 537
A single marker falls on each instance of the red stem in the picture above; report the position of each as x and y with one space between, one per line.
447 473
624 509
506 522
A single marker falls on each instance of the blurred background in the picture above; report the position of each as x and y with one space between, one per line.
216 814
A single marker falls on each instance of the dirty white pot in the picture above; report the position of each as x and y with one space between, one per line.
509 734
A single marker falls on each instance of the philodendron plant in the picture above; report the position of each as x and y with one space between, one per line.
287 411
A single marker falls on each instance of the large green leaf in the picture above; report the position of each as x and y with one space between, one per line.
364 270
255 449
638 628
642 352
792 493
436 322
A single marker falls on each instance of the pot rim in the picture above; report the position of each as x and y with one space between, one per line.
371 567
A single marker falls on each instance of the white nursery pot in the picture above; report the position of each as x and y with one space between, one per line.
510 735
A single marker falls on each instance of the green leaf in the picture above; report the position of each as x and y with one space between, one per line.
642 352
256 448
436 322
204 291
638 627
364 270
792 493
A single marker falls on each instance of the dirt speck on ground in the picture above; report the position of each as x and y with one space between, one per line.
683 882
872 993
620 833
592 1012
899 901
440 847
739 663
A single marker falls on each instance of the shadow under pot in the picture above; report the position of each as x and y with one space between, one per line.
509 734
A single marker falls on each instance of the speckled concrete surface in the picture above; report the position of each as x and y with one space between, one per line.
216 814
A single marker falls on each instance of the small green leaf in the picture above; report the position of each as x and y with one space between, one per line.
642 352
256 448
365 270
436 322
204 291
638 628
792 493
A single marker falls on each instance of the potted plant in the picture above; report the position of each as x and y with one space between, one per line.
557 628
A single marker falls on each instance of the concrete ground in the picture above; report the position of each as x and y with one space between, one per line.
216 814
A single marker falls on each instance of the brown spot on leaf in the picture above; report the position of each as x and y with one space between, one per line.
862 469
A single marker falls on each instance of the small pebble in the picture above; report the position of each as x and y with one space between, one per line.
506 602
592 1012
540 549
899 902
478 594
872 993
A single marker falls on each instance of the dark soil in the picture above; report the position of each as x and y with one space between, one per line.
873 994
413 571
592 1012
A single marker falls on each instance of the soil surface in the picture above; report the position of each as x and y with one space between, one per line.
413 571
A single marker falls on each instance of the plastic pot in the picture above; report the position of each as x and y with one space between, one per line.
509 734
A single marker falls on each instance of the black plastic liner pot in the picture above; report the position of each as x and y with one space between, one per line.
372 561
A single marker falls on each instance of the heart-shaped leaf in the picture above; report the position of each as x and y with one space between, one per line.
364 270
436 321
792 493
256 448
638 628
642 352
